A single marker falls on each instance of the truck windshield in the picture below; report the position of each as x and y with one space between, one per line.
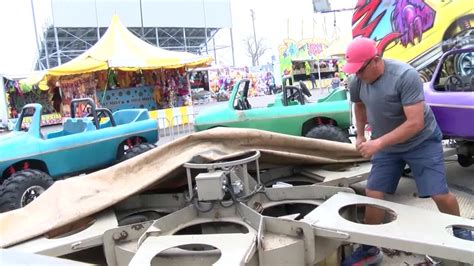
26 118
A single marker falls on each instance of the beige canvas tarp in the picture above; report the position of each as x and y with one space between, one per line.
75 198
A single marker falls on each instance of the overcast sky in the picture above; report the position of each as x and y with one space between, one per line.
18 45
275 20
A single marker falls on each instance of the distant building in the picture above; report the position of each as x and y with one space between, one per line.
186 25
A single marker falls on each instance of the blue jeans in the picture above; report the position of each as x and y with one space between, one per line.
425 160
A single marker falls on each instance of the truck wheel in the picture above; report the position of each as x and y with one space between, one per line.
137 149
459 40
328 132
464 160
22 188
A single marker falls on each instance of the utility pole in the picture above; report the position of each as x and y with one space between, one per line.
252 14
205 25
141 20
36 35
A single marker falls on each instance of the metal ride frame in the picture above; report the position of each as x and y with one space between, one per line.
61 44
280 216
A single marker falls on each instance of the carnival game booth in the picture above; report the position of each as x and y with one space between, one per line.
314 61
215 83
122 71
18 91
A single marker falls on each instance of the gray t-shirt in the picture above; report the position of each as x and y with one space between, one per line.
399 85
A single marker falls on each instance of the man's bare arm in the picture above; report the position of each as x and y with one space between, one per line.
414 124
361 118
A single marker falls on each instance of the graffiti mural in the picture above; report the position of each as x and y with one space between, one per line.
412 18
386 21
415 31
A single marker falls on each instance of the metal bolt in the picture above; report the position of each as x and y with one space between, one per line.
299 232
257 206
120 236
137 227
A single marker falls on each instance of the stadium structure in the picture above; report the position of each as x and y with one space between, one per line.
183 25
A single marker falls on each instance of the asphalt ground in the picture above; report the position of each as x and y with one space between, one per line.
458 177
460 180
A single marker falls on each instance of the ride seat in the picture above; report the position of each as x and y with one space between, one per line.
77 125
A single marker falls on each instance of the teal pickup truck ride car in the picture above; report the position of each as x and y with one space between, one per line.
328 118
31 160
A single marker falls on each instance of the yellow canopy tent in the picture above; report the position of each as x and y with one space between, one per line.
119 48
36 77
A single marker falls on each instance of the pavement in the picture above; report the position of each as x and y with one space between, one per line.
460 180
261 101
255 102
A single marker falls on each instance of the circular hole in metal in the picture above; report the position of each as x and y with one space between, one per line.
293 211
189 254
213 228
463 232
355 213
140 217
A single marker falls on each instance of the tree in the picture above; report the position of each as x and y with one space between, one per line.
254 52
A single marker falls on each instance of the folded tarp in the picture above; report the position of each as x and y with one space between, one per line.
75 198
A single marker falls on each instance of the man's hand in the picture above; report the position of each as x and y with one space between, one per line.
369 148
359 140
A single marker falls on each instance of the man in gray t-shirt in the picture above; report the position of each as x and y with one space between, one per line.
384 99
388 95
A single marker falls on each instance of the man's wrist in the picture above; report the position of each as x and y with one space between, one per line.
380 143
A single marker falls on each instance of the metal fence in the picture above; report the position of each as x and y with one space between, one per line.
177 126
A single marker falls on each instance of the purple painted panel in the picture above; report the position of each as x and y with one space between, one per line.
460 98
455 122
453 102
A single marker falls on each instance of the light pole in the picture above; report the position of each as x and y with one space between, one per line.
252 14
141 20
36 35
205 25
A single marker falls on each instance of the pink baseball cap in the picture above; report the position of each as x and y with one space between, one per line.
358 52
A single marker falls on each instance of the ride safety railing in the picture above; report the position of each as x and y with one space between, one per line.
174 122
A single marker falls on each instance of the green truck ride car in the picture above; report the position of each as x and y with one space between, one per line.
328 118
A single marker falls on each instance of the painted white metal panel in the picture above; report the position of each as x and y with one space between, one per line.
187 13
82 13
156 13
74 13
89 237
414 230
127 10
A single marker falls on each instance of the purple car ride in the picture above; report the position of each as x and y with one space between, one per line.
450 94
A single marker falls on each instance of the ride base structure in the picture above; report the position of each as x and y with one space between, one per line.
234 214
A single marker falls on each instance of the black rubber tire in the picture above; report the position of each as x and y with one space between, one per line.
328 132
136 150
464 160
12 190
